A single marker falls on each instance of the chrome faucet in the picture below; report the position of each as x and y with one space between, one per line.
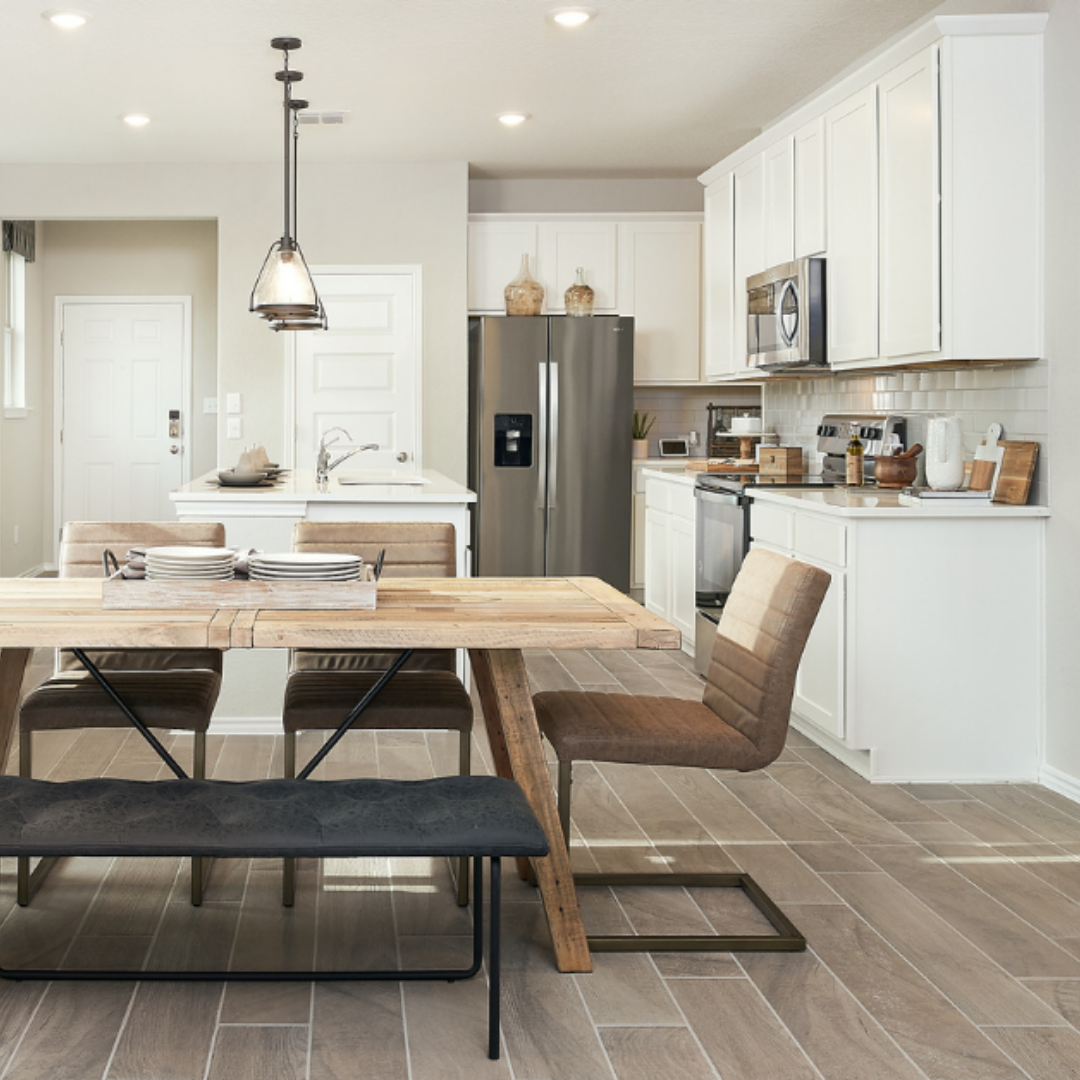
323 464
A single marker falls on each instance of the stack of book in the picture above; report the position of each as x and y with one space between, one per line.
913 496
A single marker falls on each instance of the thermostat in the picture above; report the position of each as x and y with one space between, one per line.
674 448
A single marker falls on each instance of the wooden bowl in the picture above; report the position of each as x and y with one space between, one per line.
895 472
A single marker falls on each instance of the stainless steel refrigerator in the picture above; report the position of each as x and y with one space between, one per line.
551 401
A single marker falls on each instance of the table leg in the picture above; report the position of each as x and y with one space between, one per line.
503 687
13 664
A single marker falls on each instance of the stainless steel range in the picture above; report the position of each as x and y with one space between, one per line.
722 502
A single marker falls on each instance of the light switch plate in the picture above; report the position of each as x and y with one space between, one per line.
234 427
209 405
232 403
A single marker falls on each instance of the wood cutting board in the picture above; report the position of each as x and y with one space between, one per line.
1017 469
719 466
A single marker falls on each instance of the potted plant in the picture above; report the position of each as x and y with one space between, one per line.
642 426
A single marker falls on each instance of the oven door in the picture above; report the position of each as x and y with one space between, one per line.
720 544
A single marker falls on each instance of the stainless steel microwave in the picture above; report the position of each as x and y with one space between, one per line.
785 316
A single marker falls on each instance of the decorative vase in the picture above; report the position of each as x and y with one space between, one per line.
579 297
524 295
944 453
640 447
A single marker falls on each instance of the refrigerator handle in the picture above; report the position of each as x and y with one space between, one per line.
553 452
542 442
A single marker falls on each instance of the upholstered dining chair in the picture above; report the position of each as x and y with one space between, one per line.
740 723
175 689
426 695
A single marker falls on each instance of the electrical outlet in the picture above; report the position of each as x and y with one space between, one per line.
232 403
234 431
209 405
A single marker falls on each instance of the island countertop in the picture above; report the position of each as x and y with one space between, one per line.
300 485
875 503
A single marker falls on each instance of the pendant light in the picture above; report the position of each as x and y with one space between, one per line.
284 293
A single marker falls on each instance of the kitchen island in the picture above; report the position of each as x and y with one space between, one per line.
263 517
926 662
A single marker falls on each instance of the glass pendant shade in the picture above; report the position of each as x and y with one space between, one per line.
284 288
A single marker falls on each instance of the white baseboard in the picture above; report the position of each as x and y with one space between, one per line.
246 725
1062 783
35 571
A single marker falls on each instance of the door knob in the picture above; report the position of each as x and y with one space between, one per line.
174 449
403 456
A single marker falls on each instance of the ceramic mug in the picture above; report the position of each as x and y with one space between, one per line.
944 453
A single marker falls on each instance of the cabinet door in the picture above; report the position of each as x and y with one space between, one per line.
819 683
810 232
779 165
852 264
660 285
566 245
657 563
910 219
719 278
495 250
749 243
682 609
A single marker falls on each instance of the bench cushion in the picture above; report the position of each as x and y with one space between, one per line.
451 815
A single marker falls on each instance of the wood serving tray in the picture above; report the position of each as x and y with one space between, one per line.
123 593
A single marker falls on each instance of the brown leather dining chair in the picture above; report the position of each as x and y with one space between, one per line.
425 695
175 689
741 723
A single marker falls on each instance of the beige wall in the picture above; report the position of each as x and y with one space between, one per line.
147 258
22 488
381 214
1062 45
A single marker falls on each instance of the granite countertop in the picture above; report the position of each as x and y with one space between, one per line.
300 485
877 503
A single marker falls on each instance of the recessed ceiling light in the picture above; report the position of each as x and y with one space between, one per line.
512 119
573 16
136 120
66 19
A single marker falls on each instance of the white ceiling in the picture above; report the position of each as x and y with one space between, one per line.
650 88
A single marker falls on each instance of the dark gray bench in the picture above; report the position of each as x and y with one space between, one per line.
473 816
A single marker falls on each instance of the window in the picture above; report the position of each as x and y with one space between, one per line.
15 335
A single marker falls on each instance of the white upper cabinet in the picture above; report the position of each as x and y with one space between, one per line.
719 279
919 178
810 232
851 268
909 221
495 250
660 285
566 245
779 166
749 244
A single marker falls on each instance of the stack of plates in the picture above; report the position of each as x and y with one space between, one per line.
190 564
305 566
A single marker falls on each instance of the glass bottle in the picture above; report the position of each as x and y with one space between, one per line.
854 474
579 297
524 295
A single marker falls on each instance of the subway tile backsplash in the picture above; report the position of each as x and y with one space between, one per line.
679 411
1016 395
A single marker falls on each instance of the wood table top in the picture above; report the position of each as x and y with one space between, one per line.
477 613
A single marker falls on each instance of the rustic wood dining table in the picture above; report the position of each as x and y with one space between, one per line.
493 618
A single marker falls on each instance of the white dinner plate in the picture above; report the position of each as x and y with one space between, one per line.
305 558
325 575
190 554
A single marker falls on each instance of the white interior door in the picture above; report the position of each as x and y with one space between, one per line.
363 374
123 371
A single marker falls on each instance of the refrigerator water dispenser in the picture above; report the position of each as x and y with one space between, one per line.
513 440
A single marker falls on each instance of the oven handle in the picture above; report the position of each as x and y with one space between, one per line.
719 497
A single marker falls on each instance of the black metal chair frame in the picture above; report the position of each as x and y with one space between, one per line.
786 939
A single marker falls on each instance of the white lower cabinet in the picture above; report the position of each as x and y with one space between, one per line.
669 554
925 661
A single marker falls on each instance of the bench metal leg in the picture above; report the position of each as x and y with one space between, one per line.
200 867
288 866
464 769
411 975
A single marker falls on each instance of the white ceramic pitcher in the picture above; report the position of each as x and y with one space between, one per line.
944 453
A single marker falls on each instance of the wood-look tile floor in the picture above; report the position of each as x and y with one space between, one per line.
943 921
